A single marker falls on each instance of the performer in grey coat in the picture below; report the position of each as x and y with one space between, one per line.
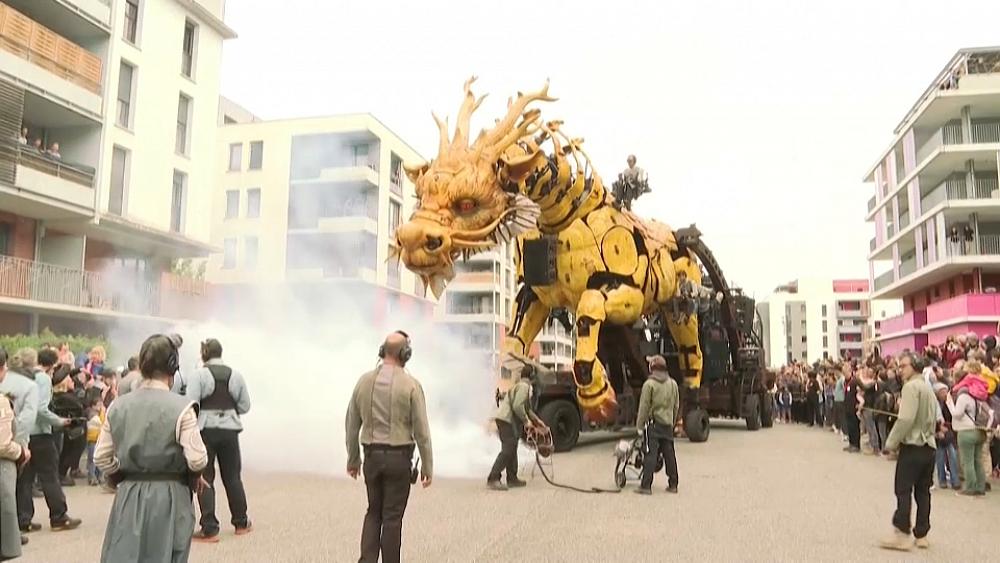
151 449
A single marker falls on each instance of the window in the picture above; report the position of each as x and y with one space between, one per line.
394 217
229 254
235 157
803 339
119 181
6 239
232 204
126 82
824 326
824 310
826 341
187 57
253 203
177 200
250 253
183 118
360 154
131 21
256 155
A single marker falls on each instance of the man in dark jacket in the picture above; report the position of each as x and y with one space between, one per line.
852 423
658 405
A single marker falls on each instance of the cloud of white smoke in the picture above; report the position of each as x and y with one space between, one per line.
301 357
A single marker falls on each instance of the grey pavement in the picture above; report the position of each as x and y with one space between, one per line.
784 494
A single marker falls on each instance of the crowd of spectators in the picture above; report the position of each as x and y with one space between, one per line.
858 400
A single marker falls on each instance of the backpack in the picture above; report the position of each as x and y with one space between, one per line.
984 416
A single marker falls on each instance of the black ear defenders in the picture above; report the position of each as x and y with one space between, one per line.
404 354
174 359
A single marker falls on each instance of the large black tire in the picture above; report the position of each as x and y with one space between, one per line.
563 419
696 425
751 411
766 411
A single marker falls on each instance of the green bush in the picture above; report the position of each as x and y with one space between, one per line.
78 344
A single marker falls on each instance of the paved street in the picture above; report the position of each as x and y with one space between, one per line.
786 494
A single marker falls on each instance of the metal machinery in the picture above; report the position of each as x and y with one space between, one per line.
733 384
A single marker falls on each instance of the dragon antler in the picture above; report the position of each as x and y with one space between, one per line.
502 135
469 105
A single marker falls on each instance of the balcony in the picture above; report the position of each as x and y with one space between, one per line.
986 131
48 63
872 245
989 245
964 306
871 204
46 187
116 293
909 321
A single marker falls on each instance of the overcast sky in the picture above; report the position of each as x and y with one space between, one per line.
755 120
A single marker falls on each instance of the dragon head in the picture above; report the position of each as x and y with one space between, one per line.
469 200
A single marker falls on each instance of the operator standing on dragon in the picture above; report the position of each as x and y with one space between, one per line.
631 184
658 406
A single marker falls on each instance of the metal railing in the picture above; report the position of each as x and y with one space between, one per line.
986 131
33 42
951 134
26 279
907 267
986 186
989 245
13 152
884 280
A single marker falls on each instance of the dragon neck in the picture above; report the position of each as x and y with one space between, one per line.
562 193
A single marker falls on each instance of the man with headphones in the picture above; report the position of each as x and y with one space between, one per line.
151 450
387 416
221 393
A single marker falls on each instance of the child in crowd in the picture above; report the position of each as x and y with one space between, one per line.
96 413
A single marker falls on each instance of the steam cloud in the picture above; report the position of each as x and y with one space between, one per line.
301 356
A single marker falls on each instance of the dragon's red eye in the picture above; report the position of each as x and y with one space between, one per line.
466 205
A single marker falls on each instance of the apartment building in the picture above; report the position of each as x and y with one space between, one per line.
309 208
812 319
936 208
107 121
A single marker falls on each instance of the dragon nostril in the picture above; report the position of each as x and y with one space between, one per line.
433 243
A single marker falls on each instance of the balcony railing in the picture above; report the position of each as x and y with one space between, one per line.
986 131
989 245
26 279
884 280
871 204
907 267
12 152
43 47
871 245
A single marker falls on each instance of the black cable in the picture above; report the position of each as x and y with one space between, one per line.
538 461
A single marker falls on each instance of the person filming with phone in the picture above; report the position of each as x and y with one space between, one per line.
387 417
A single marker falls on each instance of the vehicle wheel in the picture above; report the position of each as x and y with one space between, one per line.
620 474
766 411
696 425
751 410
563 418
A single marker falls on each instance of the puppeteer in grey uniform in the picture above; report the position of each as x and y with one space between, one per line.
631 183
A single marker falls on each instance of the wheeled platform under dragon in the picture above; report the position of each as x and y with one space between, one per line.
525 180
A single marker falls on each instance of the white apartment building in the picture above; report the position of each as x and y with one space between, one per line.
312 205
812 319
121 98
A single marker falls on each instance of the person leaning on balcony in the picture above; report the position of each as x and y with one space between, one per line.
37 145
53 151
23 138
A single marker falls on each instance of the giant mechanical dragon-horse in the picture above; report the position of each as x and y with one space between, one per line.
610 266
